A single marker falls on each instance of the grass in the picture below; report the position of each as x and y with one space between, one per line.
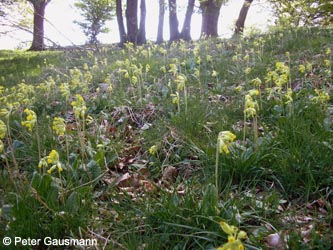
132 163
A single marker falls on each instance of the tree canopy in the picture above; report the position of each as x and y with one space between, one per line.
96 13
303 12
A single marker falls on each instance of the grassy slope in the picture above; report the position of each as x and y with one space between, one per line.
280 182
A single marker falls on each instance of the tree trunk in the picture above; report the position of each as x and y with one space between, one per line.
38 30
210 17
132 20
173 21
159 38
142 29
242 17
120 20
186 31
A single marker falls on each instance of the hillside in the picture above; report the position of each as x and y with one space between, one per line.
171 146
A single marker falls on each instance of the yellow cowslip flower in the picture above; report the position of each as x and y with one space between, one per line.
327 63
242 235
126 74
173 69
247 70
288 54
3 129
282 79
64 90
282 68
234 237
309 67
49 171
198 60
301 68
231 239
42 163
209 58
322 97
180 80
79 107
54 167
31 119
59 126
53 160
175 98
224 139
163 69
288 96
256 82
147 68
214 73
85 67
328 51
253 92
134 80
239 88
251 106
246 58
89 120
53 157
152 150
230 230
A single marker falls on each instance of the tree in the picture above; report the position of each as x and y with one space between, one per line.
159 38
242 17
186 31
95 13
303 12
38 24
210 15
120 20
173 21
142 27
134 34
132 20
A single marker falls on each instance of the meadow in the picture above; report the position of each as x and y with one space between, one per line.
213 144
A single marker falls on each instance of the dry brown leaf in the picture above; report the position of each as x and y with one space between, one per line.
170 174
125 180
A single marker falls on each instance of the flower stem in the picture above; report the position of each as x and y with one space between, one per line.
38 142
217 167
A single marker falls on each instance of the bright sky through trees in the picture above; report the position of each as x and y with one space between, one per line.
60 14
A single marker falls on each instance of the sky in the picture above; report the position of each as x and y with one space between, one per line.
61 29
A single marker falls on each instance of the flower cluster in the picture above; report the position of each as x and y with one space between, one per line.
235 237
31 119
321 97
180 81
53 160
79 107
251 106
224 139
152 150
59 126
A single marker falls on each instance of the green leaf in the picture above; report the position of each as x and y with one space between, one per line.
73 203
